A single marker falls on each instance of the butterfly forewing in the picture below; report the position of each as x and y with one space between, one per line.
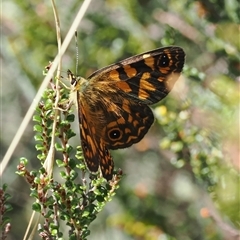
95 153
148 77
88 141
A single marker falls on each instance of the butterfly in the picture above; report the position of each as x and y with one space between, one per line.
113 103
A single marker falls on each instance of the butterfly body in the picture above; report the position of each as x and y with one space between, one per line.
113 103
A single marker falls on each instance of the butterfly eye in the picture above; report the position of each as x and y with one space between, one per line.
164 61
115 134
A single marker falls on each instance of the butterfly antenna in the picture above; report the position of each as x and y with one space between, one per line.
76 45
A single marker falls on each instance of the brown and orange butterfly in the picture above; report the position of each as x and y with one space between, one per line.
113 102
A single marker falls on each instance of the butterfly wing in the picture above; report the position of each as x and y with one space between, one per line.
127 123
125 89
147 77
113 111
95 152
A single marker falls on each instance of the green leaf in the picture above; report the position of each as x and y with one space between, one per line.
60 163
8 207
37 118
36 207
23 161
38 138
69 148
100 198
39 147
37 128
41 156
59 147
85 214
70 118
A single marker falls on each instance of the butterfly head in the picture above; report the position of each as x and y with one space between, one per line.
77 83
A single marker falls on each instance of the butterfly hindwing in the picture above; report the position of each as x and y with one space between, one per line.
106 161
128 126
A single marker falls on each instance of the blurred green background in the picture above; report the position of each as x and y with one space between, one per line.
182 180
